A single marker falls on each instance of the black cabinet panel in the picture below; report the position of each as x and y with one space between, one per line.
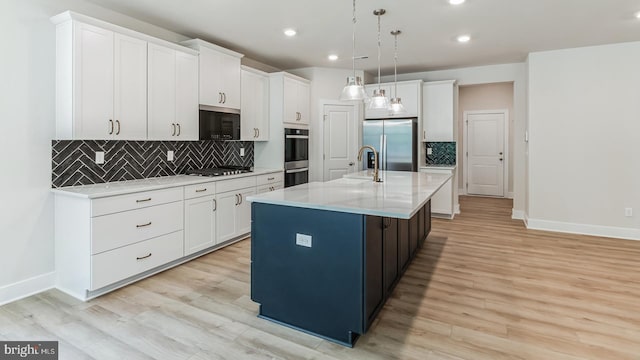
427 221
413 235
403 243
374 290
390 241
421 229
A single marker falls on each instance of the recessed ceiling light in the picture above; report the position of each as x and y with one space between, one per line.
290 32
638 15
333 57
456 2
463 38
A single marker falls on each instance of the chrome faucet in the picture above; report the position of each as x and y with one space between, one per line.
375 160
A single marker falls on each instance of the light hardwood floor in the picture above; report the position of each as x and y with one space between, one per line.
483 287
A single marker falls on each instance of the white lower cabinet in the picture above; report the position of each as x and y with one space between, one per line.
444 201
200 224
234 213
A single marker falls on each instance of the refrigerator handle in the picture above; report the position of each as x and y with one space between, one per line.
381 153
384 162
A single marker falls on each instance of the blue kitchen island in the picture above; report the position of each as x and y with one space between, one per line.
325 256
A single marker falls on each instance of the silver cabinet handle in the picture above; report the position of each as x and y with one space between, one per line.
143 257
118 123
237 199
143 200
201 190
255 132
110 126
219 98
271 178
224 98
179 130
143 225
215 205
174 129
258 132
240 195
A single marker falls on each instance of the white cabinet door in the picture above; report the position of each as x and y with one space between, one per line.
186 96
130 94
255 106
303 100
219 79
243 212
162 93
437 104
409 95
290 99
93 83
226 215
200 224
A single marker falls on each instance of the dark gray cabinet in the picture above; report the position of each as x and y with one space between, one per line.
374 288
391 258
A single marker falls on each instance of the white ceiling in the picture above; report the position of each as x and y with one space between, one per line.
502 31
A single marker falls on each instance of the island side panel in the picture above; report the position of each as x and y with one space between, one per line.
318 289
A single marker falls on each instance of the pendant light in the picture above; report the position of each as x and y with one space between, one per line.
396 107
379 100
354 90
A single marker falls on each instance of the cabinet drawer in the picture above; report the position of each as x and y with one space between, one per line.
194 191
124 228
139 200
119 264
269 178
269 187
235 184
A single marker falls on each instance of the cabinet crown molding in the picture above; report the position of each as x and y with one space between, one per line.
74 16
284 74
196 44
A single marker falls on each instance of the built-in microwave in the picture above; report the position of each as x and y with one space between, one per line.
219 123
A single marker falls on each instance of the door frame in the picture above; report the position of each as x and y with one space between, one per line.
465 134
358 112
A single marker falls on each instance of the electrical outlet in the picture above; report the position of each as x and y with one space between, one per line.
429 151
241 151
99 157
169 155
628 212
303 240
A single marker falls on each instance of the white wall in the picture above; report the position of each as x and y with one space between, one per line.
326 84
27 111
516 73
584 120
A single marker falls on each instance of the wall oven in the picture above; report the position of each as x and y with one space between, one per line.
296 157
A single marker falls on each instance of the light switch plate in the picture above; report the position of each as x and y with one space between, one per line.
241 151
169 155
628 212
303 240
429 151
100 157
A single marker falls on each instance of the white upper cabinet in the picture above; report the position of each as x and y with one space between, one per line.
102 82
173 99
296 98
255 105
409 93
439 101
219 74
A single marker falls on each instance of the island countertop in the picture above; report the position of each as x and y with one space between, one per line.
400 194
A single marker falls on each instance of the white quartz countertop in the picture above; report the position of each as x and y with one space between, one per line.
400 194
95 191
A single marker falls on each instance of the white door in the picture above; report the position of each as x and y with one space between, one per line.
226 215
93 83
485 158
187 111
130 97
200 224
340 140
162 93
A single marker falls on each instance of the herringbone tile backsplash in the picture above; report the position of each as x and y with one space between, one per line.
74 161
443 153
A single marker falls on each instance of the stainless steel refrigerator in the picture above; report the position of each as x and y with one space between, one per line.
395 140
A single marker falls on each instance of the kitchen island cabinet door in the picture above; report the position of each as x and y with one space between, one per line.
200 224
390 241
404 252
374 286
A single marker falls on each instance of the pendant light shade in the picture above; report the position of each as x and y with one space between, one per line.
379 100
354 90
396 107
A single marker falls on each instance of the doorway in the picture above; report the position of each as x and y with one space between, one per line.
340 127
486 152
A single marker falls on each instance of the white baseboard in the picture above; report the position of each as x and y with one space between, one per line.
28 287
517 214
461 191
510 195
456 209
584 229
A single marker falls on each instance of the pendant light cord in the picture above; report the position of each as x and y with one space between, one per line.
395 66
379 86
353 46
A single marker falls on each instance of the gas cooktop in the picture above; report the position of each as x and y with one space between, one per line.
220 171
